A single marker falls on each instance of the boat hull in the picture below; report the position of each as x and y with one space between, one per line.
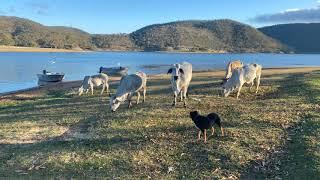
50 77
115 71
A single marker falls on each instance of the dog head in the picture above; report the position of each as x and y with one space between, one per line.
194 114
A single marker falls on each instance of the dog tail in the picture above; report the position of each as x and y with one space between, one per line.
218 122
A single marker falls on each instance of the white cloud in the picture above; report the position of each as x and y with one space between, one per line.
293 10
291 16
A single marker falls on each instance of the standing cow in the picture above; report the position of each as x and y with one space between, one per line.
181 75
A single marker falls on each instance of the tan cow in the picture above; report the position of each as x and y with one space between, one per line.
231 66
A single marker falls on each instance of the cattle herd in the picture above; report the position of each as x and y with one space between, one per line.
237 75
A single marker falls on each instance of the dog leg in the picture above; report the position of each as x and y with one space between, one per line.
199 135
212 130
221 129
205 135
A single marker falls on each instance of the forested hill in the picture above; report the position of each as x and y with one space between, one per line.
216 35
206 36
301 37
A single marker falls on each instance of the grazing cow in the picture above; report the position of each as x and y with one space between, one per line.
89 82
231 66
181 75
246 74
129 85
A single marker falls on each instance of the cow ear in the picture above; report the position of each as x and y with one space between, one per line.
224 80
169 71
181 71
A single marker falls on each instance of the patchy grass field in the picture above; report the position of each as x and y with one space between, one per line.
274 134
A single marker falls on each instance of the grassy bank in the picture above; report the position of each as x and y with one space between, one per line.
272 134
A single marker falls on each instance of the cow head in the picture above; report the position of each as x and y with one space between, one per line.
176 71
114 103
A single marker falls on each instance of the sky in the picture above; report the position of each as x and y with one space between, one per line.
125 16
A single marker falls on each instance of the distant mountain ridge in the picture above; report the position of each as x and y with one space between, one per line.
189 36
300 37
215 35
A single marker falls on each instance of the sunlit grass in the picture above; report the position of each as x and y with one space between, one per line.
66 135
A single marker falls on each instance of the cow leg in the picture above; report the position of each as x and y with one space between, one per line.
185 97
174 99
239 89
103 88
199 135
144 94
252 83
107 86
91 87
129 100
87 90
138 98
257 83
181 98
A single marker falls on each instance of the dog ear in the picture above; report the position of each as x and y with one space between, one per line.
181 71
169 71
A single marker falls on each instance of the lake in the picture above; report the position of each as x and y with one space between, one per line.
18 70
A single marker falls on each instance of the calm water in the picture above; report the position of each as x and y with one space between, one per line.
18 70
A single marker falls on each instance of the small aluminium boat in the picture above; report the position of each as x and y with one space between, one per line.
114 71
50 76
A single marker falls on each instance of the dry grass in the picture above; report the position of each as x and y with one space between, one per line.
62 135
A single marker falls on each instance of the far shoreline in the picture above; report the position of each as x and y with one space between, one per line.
19 49
73 84
36 49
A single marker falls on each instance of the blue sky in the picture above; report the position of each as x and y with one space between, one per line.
125 16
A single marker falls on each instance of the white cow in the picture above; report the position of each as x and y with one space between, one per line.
231 66
129 85
246 74
181 75
89 82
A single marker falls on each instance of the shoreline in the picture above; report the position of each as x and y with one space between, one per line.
72 84
19 49
36 49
